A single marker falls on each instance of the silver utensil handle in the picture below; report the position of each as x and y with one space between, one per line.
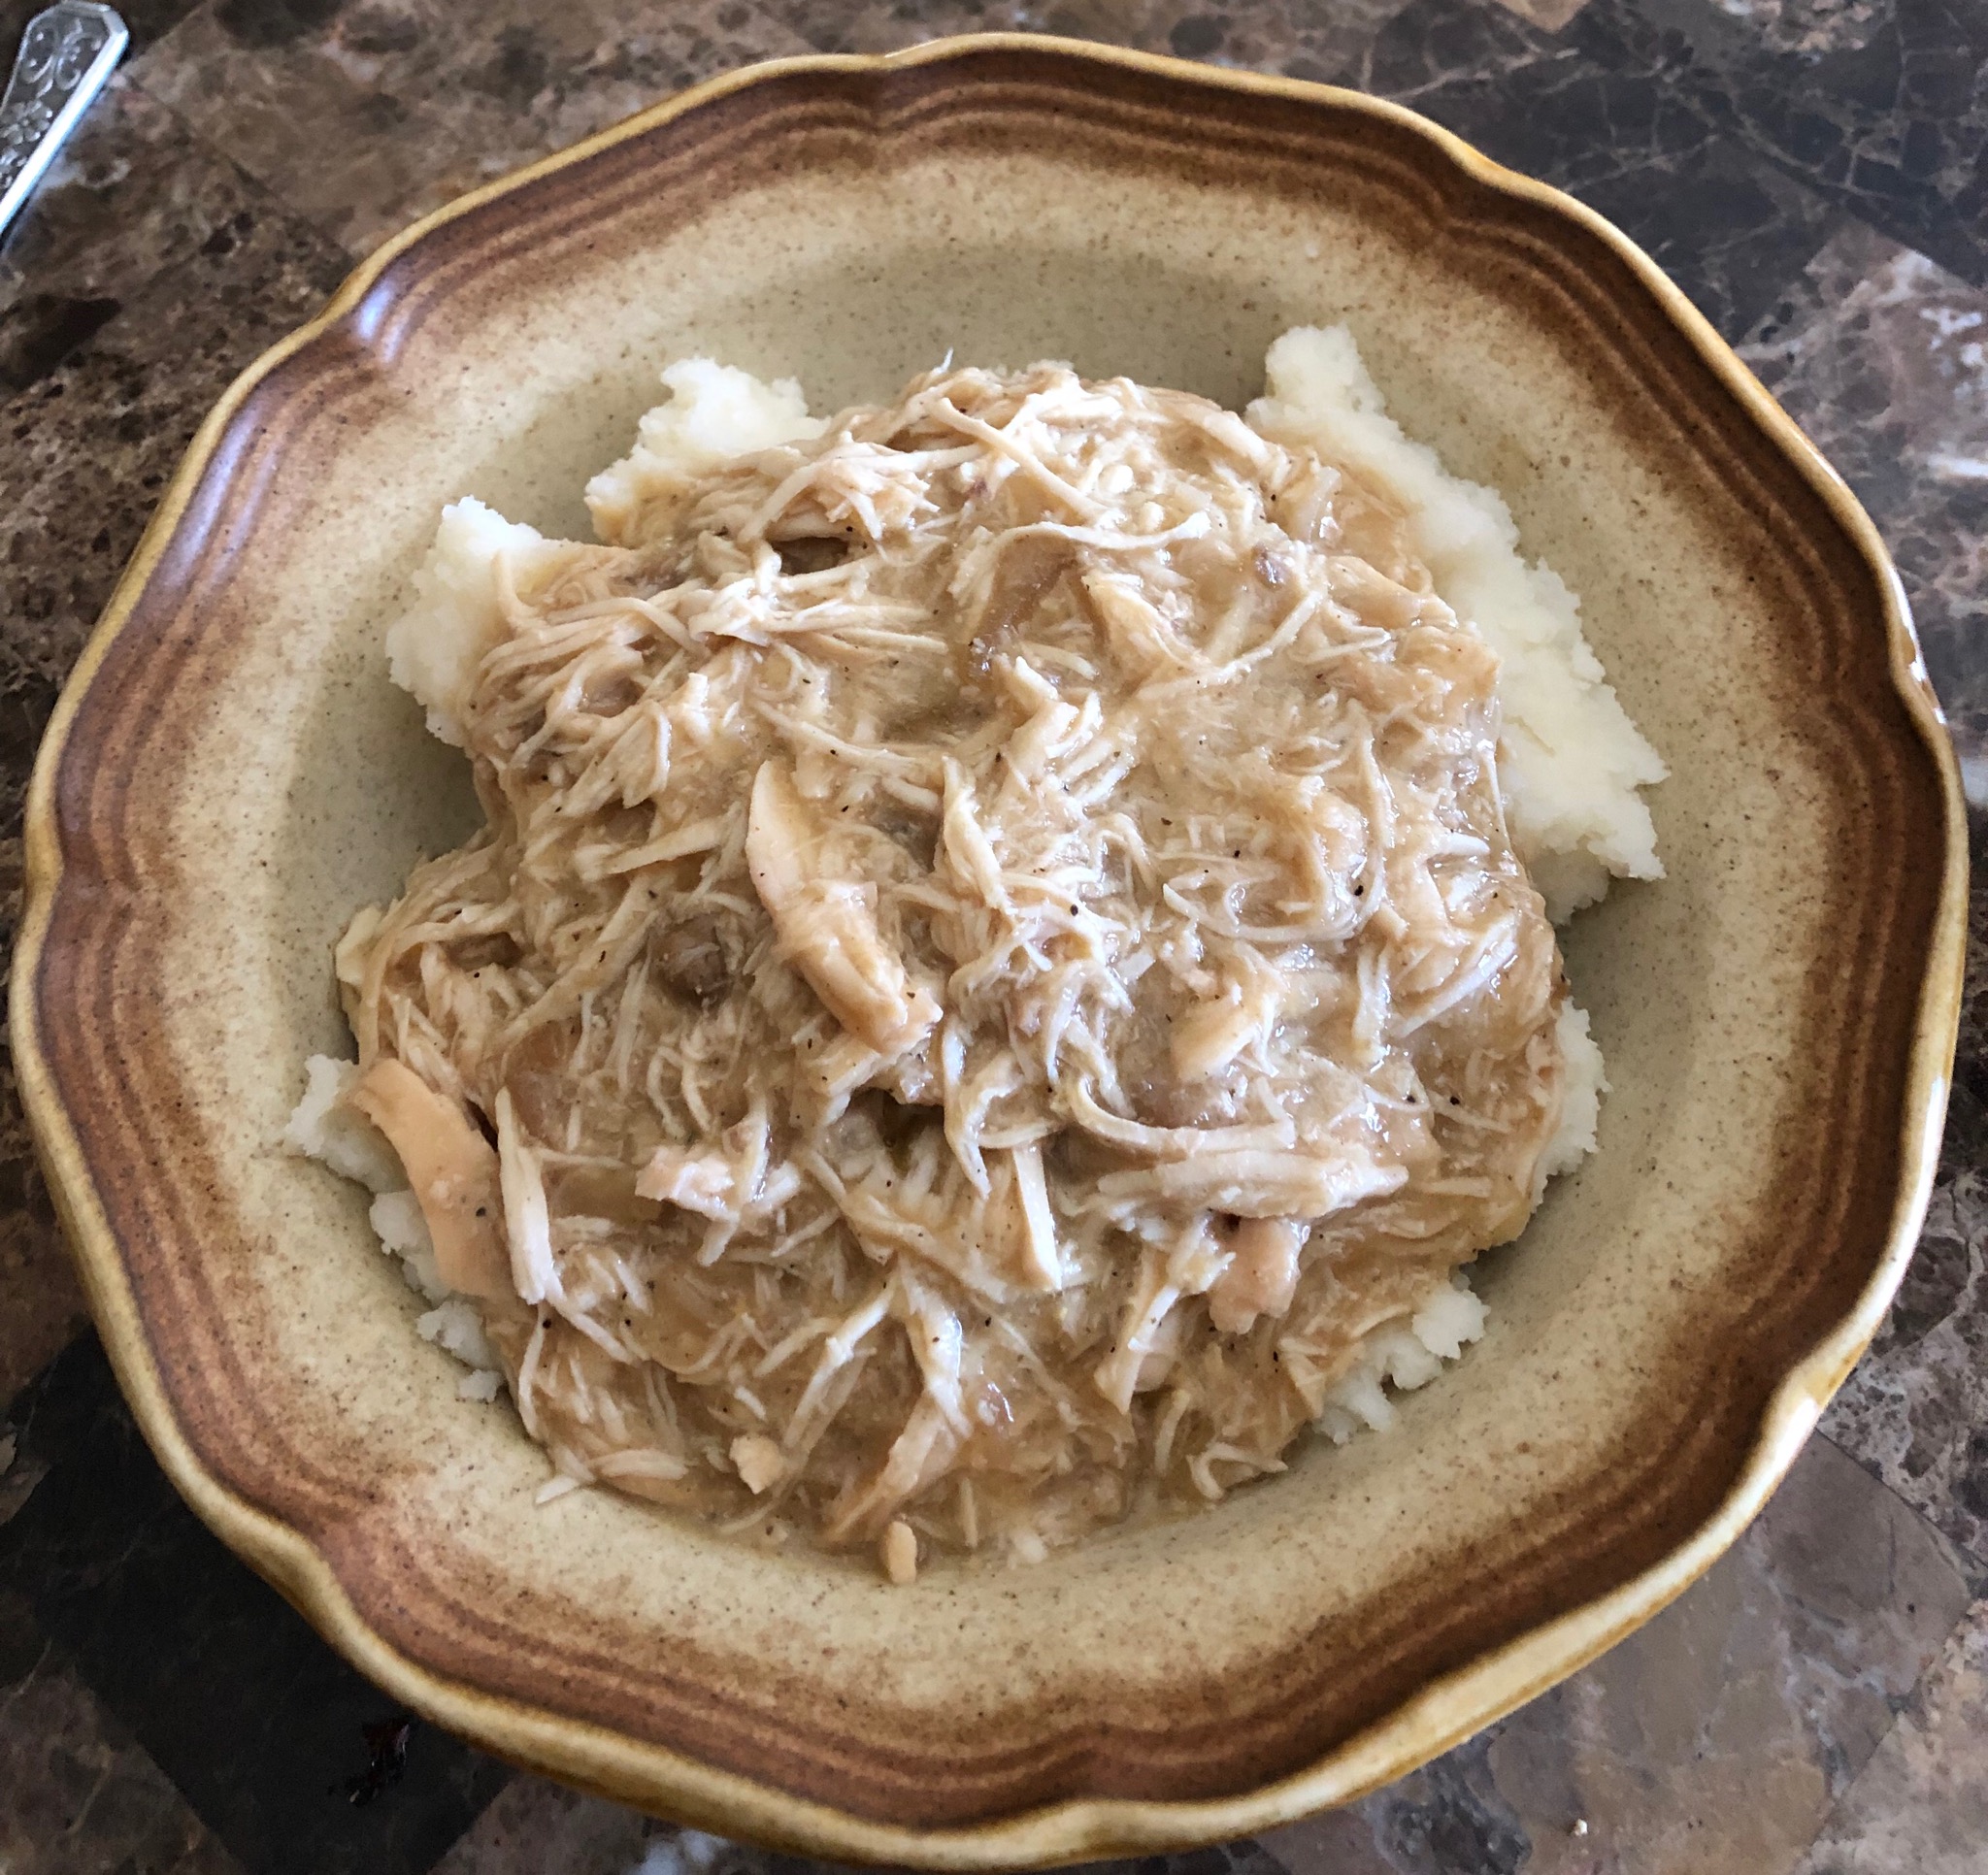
65 57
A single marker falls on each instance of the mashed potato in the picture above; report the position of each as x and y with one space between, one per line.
1568 760
715 413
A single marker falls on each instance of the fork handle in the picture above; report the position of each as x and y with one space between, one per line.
66 55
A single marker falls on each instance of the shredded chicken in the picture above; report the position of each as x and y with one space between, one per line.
994 962
454 1174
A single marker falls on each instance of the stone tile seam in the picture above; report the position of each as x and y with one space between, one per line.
256 187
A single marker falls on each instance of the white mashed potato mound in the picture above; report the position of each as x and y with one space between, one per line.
397 1222
716 413
455 1326
433 649
1580 1106
1404 1356
1570 758
1571 761
321 1128
335 1135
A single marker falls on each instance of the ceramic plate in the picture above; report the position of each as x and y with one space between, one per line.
230 774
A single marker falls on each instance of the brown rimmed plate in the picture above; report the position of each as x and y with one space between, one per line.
229 775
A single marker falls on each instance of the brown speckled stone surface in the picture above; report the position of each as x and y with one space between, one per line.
1717 1737
1811 170
361 118
1922 1801
80 1795
1882 357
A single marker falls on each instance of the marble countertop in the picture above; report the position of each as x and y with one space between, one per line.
1810 171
